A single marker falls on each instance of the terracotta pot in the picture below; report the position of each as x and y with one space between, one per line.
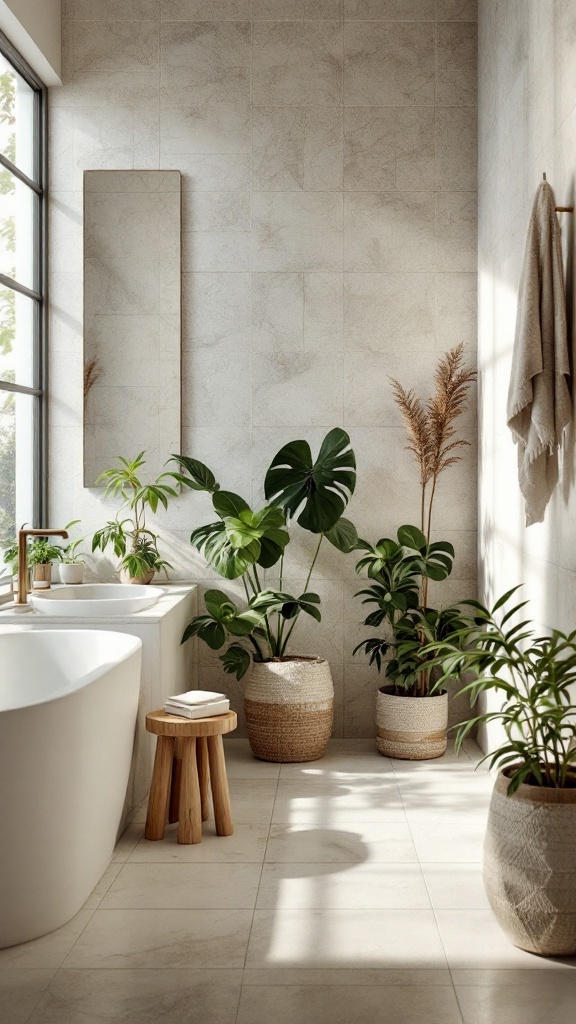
411 728
125 577
289 707
530 868
71 572
42 576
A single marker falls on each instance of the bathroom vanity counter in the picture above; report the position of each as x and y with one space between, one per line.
168 666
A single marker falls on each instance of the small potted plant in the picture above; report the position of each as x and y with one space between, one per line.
41 555
289 698
71 568
412 710
132 542
529 865
10 557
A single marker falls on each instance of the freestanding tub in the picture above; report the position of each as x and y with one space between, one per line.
68 702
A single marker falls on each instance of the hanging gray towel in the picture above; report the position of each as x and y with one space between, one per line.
539 401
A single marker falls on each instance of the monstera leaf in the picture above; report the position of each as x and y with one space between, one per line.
343 536
320 489
212 542
200 478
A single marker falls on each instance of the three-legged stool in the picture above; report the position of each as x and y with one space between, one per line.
189 755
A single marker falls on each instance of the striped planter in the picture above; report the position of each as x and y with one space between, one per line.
530 868
411 728
289 708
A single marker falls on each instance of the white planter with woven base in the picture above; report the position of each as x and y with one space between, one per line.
530 867
289 708
411 728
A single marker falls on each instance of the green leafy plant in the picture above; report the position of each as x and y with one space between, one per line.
532 674
72 554
42 552
132 542
244 543
396 570
399 570
10 557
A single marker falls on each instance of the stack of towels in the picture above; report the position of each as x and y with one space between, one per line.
197 704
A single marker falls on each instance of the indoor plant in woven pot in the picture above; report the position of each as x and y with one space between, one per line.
132 542
529 860
412 709
289 699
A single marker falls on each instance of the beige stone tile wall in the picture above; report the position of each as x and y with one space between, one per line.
328 153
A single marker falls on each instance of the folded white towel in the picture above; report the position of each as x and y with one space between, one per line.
194 711
197 697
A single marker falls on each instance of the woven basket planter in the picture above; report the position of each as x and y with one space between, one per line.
289 707
530 867
411 728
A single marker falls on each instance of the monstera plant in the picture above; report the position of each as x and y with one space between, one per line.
289 698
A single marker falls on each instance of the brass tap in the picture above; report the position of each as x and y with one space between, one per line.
22 560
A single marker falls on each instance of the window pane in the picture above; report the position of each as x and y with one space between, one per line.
16 463
16 338
16 118
18 209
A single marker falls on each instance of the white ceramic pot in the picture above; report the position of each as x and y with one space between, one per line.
71 572
289 708
530 867
411 728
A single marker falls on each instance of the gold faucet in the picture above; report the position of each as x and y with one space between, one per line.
22 559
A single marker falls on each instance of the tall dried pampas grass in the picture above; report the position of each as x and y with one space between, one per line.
430 425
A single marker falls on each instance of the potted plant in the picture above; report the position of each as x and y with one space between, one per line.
412 710
71 566
289 699
132 542
529 865
10 557
41 555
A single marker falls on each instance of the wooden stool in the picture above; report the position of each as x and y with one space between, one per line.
189 753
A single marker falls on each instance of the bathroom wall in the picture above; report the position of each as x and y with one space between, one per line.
527 126
33 26
328 151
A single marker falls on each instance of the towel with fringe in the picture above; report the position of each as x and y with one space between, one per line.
539 397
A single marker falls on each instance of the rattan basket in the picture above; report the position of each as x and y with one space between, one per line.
289 707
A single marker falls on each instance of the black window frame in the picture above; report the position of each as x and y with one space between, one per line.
39 293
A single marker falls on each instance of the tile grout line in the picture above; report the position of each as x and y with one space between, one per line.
431 904
257 895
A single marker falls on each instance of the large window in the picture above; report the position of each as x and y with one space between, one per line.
22 295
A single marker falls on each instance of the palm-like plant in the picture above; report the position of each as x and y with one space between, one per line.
132 542
535 676
244 544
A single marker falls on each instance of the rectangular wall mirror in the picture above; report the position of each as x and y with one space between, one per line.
132 318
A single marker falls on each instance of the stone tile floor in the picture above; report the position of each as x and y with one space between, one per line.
351 891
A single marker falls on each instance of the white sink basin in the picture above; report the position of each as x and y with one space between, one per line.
96 600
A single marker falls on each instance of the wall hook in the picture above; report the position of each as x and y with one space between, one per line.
559 209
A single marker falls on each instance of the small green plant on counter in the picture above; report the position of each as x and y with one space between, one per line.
400 570
534 676
10 558
42 552
243 544
132 542
72 554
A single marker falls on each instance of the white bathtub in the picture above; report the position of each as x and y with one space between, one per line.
68 702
